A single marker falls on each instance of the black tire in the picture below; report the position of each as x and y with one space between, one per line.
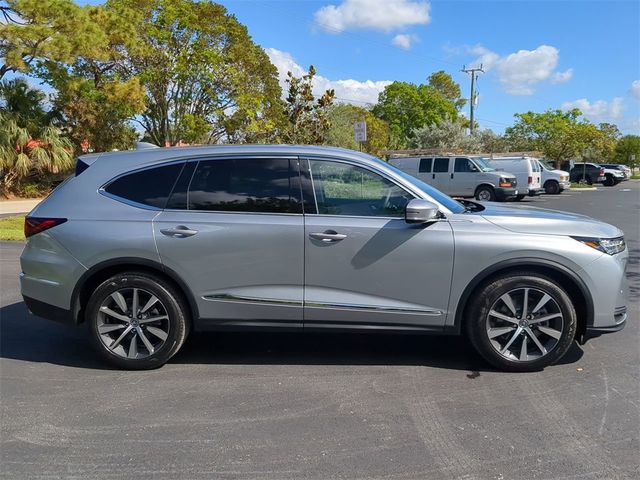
170 299
552 187
519 197
487 296
485 193
609 181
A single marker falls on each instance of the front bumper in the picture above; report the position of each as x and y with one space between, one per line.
566 185
502 193
620 318
534 192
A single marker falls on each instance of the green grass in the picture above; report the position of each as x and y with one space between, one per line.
635 177
12 228
581 185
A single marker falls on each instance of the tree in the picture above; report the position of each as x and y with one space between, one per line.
206 81
21 155
406 107
559 135
452 135
442 82
340 134
308 117
34 30
24 104
627 150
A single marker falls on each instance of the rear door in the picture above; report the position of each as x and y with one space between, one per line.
363 263
233 232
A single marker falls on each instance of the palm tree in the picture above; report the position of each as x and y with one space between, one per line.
21 155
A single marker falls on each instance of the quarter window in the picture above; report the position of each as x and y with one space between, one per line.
441 165
343 189
150 187
425 165
245 185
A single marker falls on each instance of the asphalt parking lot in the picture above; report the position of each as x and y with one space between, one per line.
294 406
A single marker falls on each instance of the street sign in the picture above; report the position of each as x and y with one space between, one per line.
360 131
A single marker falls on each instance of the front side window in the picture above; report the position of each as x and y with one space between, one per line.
464 165
344 189
263 185
150 187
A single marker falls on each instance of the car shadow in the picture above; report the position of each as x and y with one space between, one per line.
28 338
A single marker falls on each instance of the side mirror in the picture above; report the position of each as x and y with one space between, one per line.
420 211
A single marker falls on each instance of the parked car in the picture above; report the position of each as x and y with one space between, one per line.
554 181
613 168
460 176
527 171
589 173
147 246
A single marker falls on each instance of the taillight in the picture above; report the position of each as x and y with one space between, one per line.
33 225
529 180
602 172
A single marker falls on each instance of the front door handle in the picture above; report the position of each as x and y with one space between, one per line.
180 231
328 236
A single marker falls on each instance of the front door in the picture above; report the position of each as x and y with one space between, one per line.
465 177
233 231
363 263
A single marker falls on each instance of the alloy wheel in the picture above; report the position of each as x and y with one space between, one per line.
132 323
524 324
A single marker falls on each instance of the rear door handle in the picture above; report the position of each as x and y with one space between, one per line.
180 231
329 236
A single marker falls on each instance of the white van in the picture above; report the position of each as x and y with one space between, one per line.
460 176
526 169
554 181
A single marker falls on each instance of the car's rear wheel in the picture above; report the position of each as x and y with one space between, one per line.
485 193
552 187
137 320
521 322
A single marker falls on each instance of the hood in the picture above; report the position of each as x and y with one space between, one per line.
525 219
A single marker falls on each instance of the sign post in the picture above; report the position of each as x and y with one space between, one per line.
360 132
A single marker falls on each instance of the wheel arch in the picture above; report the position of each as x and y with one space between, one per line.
566 278
484 184
103 270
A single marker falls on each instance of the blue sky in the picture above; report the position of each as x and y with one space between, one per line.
537 54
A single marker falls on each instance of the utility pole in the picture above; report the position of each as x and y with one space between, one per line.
474 74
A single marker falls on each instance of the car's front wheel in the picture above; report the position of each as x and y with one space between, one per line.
521 322
137 320
485 193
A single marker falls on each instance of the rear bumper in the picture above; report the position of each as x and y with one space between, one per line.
48 311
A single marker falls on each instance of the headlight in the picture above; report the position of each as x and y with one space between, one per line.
605 245
563 178
507 182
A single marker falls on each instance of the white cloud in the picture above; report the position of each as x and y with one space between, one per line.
404 41
562 77
599 110
384 15
521 71
635 89
347 91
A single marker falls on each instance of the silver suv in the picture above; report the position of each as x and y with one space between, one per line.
149 245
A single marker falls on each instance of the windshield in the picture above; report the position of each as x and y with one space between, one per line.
483 165
437 195
546 165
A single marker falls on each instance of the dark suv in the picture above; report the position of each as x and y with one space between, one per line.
587 173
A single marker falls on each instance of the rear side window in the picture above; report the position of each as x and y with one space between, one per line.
263 185
441 165
425 165
150 187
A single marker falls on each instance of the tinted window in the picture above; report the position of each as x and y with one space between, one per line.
464 165
148 187
178 200
245 185
343 189
425 165
441 165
